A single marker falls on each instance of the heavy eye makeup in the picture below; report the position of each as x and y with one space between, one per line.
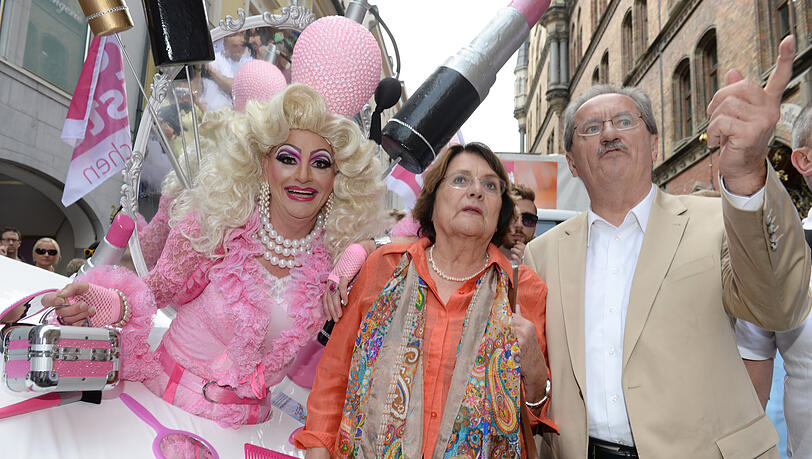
321 159
287 154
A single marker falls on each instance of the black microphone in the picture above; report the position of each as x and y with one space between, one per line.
441 105
387 94
324 333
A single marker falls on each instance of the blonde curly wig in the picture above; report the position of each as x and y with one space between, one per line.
226 188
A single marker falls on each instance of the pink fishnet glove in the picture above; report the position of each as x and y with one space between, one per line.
105 300
349 264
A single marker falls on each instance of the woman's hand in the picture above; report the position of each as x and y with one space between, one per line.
335 298
70 314
534 366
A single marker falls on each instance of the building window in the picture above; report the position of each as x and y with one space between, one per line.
708 76
594 15
604 76
682 101
573 53
596 76
782 21
627 43
551 150
641 28
50 39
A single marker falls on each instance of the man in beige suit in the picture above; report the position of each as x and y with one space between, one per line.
641 287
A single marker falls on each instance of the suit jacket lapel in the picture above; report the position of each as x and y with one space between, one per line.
664 230
572 263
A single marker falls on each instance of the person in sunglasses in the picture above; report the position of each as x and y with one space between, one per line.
523 228
46 253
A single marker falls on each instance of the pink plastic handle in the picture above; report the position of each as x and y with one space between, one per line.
26 300
159 428
121 230
37 403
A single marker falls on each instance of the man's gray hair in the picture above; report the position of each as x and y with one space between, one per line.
641 100
802 128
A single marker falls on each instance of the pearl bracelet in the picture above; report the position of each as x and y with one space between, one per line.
543 399
126 312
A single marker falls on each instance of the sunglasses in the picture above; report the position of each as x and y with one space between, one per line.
529 220
89 252
51 252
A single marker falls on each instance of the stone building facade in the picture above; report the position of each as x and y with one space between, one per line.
678 51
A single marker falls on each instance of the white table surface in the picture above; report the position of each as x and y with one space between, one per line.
111 430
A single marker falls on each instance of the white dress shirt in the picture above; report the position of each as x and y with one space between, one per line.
611 259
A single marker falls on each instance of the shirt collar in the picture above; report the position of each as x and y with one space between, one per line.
419 248
640 212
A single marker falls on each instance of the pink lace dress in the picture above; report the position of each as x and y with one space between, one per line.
152 236
237 327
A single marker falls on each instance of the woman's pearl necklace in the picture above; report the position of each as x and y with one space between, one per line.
280 250
452 278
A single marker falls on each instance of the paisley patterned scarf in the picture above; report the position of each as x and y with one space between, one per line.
383 408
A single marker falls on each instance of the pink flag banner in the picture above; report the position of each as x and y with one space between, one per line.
97 126
408 185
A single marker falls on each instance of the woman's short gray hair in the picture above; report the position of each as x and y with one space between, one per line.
641 100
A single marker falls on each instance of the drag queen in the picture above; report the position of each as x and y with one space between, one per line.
246 261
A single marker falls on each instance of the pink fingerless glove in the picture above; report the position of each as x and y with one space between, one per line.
108 304
349 263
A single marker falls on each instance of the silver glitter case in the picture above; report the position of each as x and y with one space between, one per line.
46 358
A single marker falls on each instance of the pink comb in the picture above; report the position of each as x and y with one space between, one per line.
258 452
256 80
340 59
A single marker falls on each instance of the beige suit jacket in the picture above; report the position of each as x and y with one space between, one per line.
701 262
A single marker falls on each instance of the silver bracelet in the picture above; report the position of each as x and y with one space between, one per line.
543 399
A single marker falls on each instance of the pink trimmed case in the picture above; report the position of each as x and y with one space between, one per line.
46 358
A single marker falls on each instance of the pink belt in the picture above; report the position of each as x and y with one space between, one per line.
210 390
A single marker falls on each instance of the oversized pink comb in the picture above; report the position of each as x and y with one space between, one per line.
340 59
258 452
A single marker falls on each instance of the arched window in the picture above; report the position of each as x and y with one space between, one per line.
551 149
604 76
708 71
641 27
683 111
627 45
595 15
596 76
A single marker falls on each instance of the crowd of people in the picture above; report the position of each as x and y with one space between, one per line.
458 332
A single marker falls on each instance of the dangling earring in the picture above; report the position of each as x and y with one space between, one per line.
328 207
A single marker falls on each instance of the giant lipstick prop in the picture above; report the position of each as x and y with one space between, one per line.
431 116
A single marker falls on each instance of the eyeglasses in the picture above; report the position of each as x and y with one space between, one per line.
490 184
529 220
51 252
10 240
621 122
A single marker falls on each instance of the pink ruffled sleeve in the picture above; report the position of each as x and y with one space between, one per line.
177 263
152 235
137 363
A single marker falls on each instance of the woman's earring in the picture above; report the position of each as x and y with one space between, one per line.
328 207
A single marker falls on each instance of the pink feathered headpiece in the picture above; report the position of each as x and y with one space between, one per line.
256 80
340 59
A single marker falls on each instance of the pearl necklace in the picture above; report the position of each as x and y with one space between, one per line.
278 249
452 278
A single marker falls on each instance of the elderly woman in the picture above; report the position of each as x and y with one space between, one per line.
46 253
246 260
425 361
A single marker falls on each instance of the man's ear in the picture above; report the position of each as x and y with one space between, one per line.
802 160
571 165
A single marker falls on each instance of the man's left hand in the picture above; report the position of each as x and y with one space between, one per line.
742 120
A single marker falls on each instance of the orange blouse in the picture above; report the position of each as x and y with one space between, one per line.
442 333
